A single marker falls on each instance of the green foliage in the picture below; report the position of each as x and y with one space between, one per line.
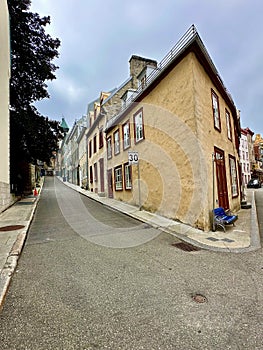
32 136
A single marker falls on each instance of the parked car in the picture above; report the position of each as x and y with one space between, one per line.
254 183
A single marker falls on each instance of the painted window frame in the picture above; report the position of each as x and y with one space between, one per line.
101 138
109 147
90 148
126 140
118 178
233 176
95 172
116 138
228 125
141 136
127 176
95 143
90 174
216 110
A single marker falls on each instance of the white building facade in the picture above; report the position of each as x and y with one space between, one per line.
6 199
244 158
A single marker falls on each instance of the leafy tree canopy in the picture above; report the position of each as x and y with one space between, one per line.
32 136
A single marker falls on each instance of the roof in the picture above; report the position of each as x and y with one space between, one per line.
64 125
189 42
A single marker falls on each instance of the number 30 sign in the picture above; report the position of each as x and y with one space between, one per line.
133 158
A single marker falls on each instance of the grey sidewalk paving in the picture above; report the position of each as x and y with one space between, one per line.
241 238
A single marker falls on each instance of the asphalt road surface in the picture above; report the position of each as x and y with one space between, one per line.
75 289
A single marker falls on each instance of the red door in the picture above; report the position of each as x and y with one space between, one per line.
110 184
221 178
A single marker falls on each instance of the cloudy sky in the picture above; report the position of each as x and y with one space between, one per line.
99 37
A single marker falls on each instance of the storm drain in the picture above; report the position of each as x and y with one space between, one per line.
11 228
185 247
199 298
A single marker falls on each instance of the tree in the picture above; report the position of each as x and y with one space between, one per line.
32 136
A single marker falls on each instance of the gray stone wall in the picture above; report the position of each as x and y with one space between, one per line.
137 64
6 198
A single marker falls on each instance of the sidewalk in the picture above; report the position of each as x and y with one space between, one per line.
244 237
14 224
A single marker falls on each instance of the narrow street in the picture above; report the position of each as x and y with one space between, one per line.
74 288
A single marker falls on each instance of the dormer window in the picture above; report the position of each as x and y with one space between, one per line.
143 76
126 97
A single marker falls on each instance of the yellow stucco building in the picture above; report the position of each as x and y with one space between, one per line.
184 125
105 108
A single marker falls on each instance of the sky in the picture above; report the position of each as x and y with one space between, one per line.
98 39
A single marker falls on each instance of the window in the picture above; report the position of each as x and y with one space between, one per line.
117 142
216 113
90 174
126 135
95 144
95 172
101 138
138 126
143 82
228 125
233 175
127 176
90 150
109 148
118 178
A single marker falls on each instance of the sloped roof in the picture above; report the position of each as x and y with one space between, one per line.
189 42
64 125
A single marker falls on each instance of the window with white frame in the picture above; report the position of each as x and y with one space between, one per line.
109 147
126 135
117 142
138 126
127 175
233 176
216 113
228 125
118 178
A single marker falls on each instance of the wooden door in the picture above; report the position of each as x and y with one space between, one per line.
221 179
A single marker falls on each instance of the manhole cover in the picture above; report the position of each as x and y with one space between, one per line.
186 247
199 298
11 227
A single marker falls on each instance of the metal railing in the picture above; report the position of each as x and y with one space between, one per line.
190 34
